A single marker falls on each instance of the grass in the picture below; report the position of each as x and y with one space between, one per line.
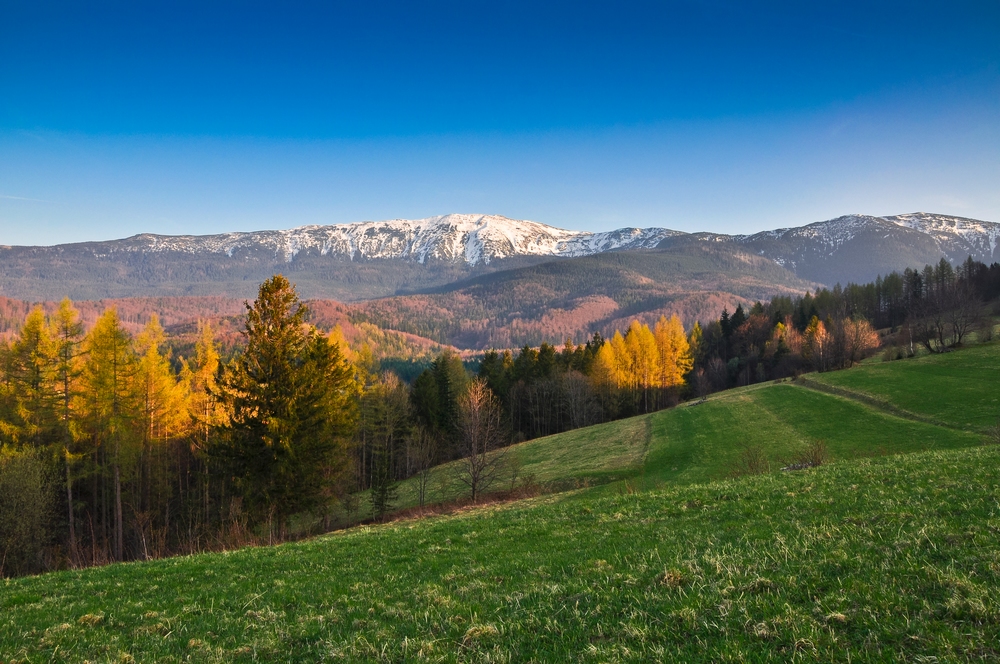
952 397
703 442
584 457
886 559
960 388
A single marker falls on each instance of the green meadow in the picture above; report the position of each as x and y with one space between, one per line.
929 402
889 551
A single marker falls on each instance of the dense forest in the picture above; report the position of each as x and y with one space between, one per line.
115 446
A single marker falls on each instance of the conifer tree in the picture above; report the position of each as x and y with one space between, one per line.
67 336
32 374
109 398
675 351
290 398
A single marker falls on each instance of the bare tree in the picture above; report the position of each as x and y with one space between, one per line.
965 313
860 340
928 324
482 439
421 449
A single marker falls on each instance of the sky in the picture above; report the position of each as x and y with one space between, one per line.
175 118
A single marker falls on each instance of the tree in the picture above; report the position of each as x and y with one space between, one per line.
482 437
32 375
860 339
387 421
110 403
421 450
675 350
25 510
643 360
67 335
162 416
817 341
290 397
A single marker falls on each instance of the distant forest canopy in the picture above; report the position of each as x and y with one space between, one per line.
115 446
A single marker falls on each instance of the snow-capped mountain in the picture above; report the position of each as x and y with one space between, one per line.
859 247
468 238
351 262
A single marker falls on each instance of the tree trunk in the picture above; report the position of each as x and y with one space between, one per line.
69 505
118 512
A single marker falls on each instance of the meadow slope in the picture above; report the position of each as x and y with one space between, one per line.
887 559
658 555
924 403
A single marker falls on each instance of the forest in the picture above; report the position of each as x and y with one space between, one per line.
115 447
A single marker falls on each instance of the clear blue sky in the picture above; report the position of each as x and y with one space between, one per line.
118 118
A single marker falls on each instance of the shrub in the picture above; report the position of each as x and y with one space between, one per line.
751 461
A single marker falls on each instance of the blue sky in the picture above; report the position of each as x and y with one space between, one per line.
118 118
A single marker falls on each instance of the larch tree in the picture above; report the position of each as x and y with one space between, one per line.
644 361
67 337
110 404
32 375
676 358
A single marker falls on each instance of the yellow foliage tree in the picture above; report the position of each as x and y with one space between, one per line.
674 350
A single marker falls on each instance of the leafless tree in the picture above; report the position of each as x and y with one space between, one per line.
421 449
860 340
482 439
965 312
929 324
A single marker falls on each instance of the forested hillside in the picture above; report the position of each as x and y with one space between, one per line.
576 297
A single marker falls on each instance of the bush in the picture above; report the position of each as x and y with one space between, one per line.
752 461
26 510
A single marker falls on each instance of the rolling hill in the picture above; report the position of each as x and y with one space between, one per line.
932 402
874 557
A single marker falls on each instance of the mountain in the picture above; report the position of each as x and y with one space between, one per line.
347 262
577 296
860 247
468 238
356 262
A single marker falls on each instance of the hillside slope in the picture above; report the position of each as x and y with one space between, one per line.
933 402
575 297
893 559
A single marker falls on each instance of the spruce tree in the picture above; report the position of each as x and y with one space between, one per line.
291 402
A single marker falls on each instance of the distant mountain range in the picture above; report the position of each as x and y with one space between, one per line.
354 262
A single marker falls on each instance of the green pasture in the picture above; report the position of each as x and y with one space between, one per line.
879 560
959 388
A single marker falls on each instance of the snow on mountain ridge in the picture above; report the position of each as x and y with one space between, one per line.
453 237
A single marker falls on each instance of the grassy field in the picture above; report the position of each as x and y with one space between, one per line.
884 559
960 389
704 442
584 457
952 397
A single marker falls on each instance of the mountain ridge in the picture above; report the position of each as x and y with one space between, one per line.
367 260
